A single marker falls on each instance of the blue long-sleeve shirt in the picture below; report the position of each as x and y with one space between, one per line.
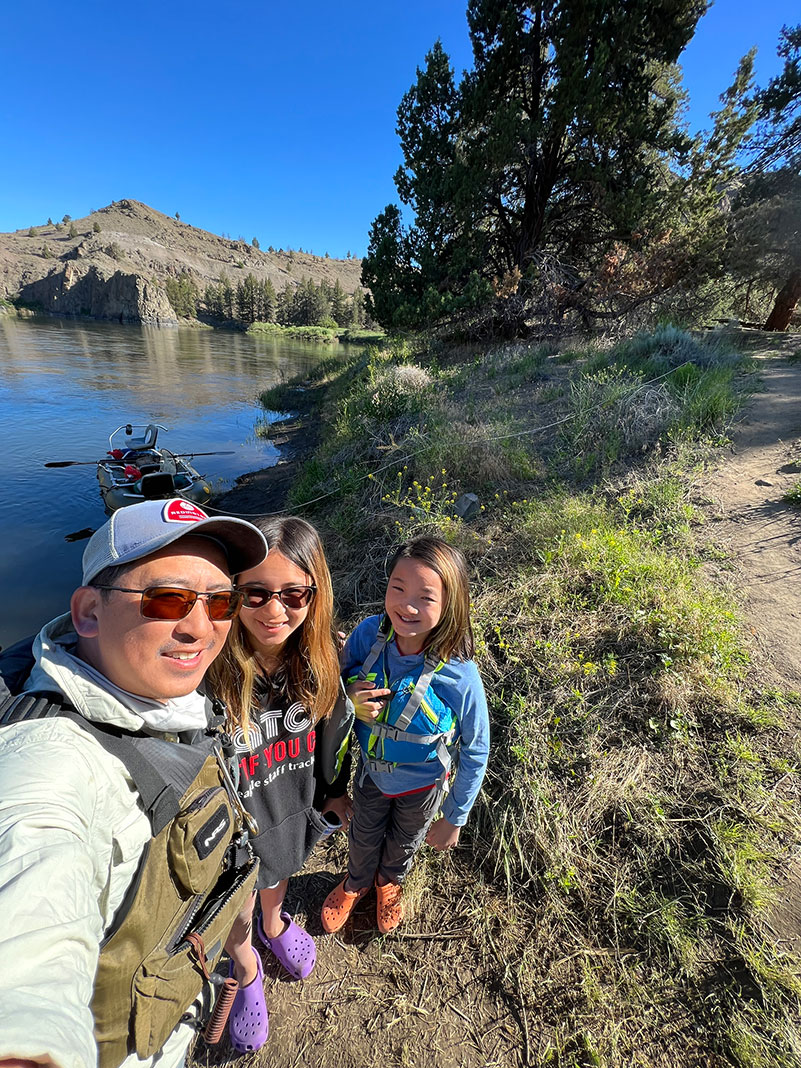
459 686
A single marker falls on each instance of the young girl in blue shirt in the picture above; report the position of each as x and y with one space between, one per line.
421 723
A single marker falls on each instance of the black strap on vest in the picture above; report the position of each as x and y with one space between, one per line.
30 706
162 771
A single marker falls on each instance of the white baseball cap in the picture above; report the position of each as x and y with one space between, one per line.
141 529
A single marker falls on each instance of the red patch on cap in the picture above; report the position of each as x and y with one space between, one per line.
183 512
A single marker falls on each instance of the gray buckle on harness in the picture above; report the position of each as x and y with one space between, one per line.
397 734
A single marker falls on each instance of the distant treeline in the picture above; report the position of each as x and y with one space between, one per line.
253 300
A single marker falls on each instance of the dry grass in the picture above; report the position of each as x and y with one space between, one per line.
608 901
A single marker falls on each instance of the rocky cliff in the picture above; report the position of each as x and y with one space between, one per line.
117 261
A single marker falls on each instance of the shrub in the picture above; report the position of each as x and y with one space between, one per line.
115 251
96 227
398 390
73 230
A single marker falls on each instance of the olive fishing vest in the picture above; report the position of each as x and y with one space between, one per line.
414 726
194 877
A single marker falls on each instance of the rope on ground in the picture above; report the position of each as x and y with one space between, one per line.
416 452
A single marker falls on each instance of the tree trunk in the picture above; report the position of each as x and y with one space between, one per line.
788 297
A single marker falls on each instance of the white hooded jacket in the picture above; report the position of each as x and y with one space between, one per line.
72 832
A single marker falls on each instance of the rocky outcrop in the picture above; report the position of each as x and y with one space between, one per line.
115 264
88 290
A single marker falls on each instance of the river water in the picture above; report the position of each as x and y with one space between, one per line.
65 386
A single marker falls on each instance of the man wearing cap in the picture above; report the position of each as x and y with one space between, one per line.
76 835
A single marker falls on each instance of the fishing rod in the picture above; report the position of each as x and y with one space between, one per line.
109 459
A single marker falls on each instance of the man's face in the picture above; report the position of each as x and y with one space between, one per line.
155 658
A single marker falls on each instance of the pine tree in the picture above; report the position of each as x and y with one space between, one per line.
212 298
248 299
227 296
269 301
183 295
357 308
339 310
284 313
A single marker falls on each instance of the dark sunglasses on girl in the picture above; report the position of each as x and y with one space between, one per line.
292 597
168 602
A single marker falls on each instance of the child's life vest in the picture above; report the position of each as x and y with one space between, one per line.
414 726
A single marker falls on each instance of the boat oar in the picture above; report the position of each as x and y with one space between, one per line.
108 459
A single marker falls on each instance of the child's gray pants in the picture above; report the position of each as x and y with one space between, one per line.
386 832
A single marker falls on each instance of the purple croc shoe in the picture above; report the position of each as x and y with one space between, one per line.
294 949
248 1023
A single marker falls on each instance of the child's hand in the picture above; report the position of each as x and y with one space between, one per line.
367 700
442 834
342 807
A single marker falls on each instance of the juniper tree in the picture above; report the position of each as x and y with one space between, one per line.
774 196
559 143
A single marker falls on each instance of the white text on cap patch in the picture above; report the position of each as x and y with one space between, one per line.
182 512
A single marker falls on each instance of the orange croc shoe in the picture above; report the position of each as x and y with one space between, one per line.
338 906
389 907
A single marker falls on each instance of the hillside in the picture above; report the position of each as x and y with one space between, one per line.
119 272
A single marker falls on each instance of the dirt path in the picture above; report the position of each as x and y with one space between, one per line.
763 531
763 534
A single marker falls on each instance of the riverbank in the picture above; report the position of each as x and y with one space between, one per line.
266 491
612 899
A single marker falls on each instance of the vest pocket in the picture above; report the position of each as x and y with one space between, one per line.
198 839
170 977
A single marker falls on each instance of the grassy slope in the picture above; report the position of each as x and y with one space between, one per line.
643 790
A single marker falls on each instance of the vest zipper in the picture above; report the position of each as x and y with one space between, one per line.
219 904
202 799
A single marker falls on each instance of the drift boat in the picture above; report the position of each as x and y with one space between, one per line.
137 470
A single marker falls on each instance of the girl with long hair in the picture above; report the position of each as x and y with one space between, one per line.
279 679
421 713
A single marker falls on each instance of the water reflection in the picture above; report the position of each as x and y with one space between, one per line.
65 386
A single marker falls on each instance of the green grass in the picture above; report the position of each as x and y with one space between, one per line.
307 333
643 794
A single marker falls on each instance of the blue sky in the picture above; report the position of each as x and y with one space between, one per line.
267 119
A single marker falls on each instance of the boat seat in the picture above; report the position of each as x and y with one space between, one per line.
147 440
157 485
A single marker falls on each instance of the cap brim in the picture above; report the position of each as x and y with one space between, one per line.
245 546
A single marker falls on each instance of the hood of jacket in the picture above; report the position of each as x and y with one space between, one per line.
55 669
